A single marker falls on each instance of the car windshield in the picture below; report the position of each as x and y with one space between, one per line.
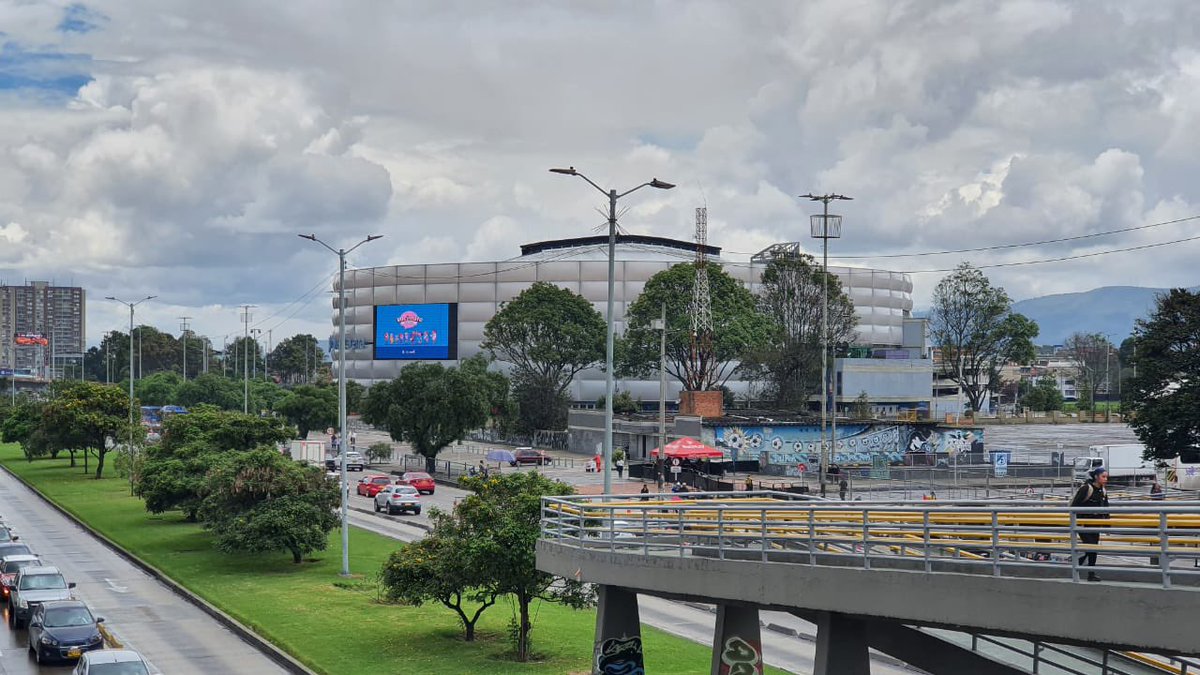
128 668
416 476
42 582
61 617
5 534
16 565
406 490
13 549
381 480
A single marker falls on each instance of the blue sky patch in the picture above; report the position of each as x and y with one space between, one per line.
48 72
79 19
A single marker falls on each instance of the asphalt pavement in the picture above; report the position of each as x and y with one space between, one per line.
142 613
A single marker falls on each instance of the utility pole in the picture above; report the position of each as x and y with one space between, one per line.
183 330
131 306
825 227
662 393
256 332
267 357
246 364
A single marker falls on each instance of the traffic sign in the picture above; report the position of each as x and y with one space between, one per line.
676 469
675 461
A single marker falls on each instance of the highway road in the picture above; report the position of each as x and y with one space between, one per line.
174 635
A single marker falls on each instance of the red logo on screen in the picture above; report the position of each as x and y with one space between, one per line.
409 319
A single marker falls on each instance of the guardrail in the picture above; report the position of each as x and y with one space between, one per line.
1148 542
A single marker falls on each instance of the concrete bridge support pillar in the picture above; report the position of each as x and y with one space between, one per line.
618 646
737 641
841 645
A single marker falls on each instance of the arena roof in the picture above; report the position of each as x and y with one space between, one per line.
644 239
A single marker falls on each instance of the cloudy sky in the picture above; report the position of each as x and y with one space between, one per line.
175 148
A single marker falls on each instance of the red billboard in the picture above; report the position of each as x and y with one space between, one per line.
31 340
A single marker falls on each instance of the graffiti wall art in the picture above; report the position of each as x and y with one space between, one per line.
620 656
739 657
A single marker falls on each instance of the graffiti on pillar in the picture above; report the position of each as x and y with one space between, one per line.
740 657
620 656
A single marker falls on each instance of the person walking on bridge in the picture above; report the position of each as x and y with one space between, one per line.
1092 494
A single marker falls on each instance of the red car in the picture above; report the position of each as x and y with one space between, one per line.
369 486
10 565
530 456
420 480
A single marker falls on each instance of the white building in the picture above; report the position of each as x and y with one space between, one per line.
460 298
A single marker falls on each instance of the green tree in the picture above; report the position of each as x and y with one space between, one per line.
973 325
379 452
211 389
309 407
172 473
738 329
1164 397
549 334
1043 396
445 566
295 359
354 396
158 389
502 520
84 416
429 406
789 363
23 425
502 408
261 501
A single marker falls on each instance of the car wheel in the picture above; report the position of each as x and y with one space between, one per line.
512 463
391 512
417 512
375 505
12 616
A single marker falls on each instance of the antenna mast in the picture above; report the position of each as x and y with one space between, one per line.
702 304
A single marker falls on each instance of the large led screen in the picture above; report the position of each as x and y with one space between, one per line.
416 332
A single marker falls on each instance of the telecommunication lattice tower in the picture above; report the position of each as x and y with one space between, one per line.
701 298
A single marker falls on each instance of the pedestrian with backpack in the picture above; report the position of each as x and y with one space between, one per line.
1092 494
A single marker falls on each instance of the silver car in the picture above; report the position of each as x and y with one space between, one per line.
111 662
33 585
398 499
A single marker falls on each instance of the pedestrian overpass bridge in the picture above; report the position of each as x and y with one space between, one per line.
938 585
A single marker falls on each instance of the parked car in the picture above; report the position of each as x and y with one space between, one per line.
530 456
369 486
9 566
420 480
35 584
111 662
63 630
13 548
354 462
398 499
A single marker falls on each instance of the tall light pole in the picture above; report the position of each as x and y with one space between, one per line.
246 363
131 305
257 333
184 327
662 393
825 227
613 196
341 253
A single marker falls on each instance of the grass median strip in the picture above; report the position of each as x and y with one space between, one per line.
333 625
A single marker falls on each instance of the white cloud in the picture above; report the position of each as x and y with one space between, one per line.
211 133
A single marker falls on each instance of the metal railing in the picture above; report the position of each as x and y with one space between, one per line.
1148 542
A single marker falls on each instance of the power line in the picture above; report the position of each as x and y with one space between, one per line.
1066 258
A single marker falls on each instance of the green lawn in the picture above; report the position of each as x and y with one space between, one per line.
332 627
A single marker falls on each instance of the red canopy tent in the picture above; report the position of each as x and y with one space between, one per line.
689 448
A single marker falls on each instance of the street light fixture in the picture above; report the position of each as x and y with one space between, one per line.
826 227
613 196
341 253
131 305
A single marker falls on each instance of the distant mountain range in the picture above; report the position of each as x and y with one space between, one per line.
1111 310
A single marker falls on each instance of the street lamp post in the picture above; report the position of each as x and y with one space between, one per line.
613 196
341 253
131 305
184 327
825 227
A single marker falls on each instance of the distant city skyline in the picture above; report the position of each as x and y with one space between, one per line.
175 148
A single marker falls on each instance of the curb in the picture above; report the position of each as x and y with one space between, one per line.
280 657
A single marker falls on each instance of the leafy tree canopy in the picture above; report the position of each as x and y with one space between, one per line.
1164 396
84 415
738 328
158 389
972 323
309 407
429 406
261 501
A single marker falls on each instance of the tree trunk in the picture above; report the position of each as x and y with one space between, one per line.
523 630
85 461
297 556
72 454
431 464
100 463
469 628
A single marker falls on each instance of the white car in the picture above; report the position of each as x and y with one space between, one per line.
398 499
111 662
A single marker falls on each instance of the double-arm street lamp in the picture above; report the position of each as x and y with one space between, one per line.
341 253
613 196
131 305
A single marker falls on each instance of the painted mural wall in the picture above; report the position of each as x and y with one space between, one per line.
795 449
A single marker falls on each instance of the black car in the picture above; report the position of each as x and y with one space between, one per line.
63 630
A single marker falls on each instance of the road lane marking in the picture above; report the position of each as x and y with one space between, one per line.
115 587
